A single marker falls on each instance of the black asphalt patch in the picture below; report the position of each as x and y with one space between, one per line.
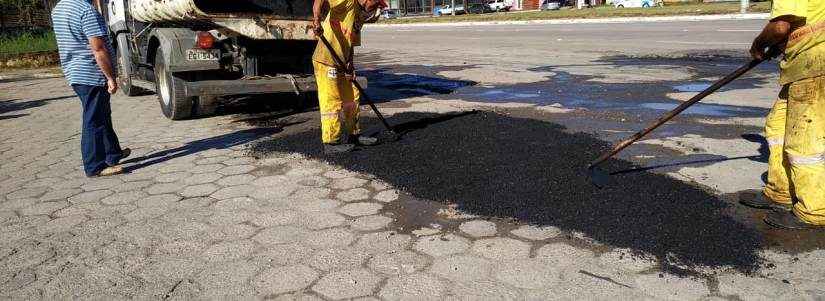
533 171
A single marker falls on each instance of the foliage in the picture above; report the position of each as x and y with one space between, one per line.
27 42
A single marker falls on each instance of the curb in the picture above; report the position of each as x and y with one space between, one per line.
691 18
30 76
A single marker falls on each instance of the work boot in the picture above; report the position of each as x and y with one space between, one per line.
757 199
363 140
789 220
331 149
110 171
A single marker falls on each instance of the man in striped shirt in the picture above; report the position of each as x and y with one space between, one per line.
86 59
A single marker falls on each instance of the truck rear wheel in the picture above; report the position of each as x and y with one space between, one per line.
173 102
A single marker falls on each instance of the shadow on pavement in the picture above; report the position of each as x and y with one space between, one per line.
218 142
13 105
4 117
534 172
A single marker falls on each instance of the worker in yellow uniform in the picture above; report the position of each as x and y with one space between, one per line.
340 21
795 127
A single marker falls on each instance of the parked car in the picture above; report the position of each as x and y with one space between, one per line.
500 5
389 14
448 10
637 3
551 5
479 9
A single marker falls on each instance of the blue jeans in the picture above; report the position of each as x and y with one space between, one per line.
98 142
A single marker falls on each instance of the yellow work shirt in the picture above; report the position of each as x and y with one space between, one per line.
805 54
342 29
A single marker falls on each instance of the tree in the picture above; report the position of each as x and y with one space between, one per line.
25 9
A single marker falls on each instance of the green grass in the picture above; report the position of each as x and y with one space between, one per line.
670 9
27 42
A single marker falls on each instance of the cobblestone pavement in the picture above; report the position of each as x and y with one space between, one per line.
198 217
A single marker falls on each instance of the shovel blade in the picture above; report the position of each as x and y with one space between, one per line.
598 177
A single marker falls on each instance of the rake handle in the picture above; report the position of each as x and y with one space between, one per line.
341 65
673 113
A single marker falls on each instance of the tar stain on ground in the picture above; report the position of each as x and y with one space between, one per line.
532 171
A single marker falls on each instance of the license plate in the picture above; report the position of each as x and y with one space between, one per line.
203 54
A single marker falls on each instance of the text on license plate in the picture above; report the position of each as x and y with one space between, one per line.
203 54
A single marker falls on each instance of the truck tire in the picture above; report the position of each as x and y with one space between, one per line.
174 104
206 105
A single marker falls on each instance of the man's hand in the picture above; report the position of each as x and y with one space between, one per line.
317 28
111 85
774 34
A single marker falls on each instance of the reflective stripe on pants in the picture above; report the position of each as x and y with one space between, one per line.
338 101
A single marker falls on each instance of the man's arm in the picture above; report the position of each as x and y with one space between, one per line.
318 15
104 61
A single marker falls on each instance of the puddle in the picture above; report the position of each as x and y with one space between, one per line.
700 109
505 95
694 87
416 84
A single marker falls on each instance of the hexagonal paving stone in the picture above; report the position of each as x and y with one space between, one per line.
280 235
383 242
501 248
537 233
44 208
322 205
228 251
208 168
752 288
442 245
338 259
562 254
123 198
360 209
347 183
527 274
347 284
379 185
26 193
313 181
398 263
132 186
417 286
486 290
322 220
462 268
328 238
233 192
236 170
284 254
162 188
285 279
160 200
340 174
371 223
172 177
278 218
352 195
236 204
386 196
60 194
89 197
302 171
101 183
239 161
242 179
203 178
670 287
228 279
478 228
199 190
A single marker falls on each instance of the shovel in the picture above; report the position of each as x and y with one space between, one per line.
600 178
341 65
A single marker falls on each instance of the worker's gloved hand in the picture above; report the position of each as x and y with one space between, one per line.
317 28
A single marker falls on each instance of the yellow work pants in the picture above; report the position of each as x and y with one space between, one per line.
338 102
799 172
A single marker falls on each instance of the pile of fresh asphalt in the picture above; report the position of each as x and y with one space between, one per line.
494 165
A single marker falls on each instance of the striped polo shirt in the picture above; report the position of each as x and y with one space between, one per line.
74 22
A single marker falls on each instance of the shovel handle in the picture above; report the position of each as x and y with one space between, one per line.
669 115
341 65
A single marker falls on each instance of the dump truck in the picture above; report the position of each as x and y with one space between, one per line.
193 53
